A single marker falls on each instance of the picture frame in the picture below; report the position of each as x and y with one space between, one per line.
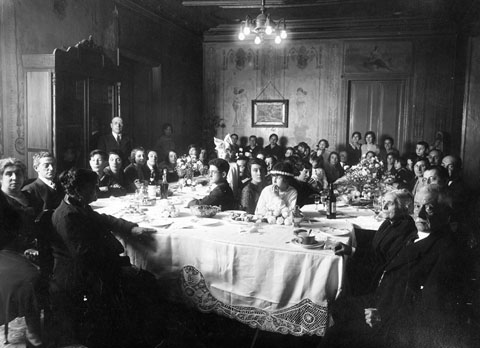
270 113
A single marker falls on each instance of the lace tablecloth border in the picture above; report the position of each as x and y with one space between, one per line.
304 318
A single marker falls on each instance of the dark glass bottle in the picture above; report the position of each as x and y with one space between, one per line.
331 203
152 187
164 185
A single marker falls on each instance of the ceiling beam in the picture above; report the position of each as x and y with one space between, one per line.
272 3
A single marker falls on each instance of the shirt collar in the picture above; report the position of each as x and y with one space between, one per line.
47 182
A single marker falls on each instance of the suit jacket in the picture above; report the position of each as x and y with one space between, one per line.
421 281
107 143
85 250
43 196
221 195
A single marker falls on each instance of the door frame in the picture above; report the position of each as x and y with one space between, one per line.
400 143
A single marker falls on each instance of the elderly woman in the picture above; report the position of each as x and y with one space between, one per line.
281 193
251 192
136 171
90 277
19 277
389 238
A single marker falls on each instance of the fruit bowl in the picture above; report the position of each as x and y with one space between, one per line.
204 210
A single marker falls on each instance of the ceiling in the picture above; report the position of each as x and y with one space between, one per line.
201 16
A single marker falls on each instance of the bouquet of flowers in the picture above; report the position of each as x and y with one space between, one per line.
365 176
187 166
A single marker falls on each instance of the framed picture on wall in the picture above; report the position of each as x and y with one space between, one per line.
270 113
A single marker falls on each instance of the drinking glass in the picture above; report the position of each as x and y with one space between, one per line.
377 204
323 198
317 200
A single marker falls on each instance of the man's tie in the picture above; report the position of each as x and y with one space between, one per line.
119 138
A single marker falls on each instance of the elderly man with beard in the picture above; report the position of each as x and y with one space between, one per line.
413 303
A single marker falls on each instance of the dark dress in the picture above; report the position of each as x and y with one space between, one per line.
91 282
18 276
354 155
333 172
135 172
277 151
249 197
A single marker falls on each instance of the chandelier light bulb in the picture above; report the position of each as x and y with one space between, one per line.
246 30
258 41
283 34
269 30
241 36
278 39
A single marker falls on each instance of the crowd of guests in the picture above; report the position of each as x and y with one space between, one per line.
91 280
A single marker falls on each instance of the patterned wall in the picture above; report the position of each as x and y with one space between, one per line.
312 75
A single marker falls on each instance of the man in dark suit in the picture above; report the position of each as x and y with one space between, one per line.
414 302
45 192
116 140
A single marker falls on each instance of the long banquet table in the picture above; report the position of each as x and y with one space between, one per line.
254 273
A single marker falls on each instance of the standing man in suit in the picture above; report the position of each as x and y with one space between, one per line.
116 140
45 192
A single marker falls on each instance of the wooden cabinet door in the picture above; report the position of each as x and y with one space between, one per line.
379 106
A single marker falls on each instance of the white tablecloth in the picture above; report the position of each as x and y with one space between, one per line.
253 276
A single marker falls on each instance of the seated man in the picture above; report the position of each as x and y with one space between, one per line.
221 194
414 300
46 193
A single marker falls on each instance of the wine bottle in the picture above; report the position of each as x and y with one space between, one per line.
152 187
164 185
331 203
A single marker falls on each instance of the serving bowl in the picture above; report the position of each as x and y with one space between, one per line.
204 210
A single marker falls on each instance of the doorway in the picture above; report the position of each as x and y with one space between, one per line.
379 106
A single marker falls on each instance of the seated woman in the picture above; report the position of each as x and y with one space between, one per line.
319 178
98 163
119 186
223 149
389 165
222 194
151 167
281 193
136 172
19 277
170 164
333 169
305 191
369 260
251 192
98 298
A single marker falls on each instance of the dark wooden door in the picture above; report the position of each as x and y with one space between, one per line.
378 105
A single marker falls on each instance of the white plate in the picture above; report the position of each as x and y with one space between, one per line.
317 245
334 231
204 221
235 211
160 222
135 218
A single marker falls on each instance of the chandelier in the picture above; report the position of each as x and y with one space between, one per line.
263 27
